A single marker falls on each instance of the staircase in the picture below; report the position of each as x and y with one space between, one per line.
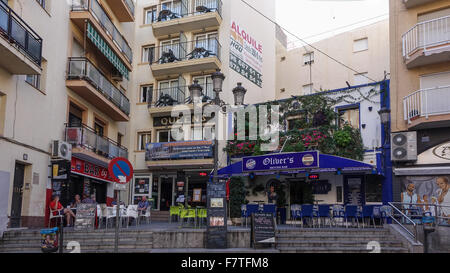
160 216
336 240
28 241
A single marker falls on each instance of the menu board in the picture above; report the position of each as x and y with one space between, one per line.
85 216
216 233
263 228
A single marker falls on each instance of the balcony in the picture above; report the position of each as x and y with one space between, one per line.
87 81
428 107
187 15
171 155
427 43
20 46
86 144
166 98
91 11
174 59
123 9
414 3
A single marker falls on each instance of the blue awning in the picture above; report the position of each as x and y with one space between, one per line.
327 163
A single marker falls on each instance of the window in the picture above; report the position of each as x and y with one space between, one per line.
308 58
361 78
204 133
174 7
307 89
143 139
173 45
207 41
119 139
170 88
34 80
207 84
99 127
360 45
2 112
75 116
349 116
148 53
150 15
165 136
146 93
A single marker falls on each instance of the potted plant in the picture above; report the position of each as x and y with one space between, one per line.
237 199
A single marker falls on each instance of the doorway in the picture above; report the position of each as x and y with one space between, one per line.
354 190
166 194
16 205
300 192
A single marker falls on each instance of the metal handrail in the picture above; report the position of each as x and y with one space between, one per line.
190 50
20 33
179 94
414 235
88 71
101 16
186 8
130 5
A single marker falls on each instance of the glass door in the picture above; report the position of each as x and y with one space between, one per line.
166 192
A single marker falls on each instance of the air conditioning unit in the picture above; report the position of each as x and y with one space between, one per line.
62 150
404 146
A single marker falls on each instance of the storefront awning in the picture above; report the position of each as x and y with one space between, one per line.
327 163
103 46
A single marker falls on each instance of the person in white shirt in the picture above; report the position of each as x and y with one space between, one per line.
444 198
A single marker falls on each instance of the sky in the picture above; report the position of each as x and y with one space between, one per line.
306 18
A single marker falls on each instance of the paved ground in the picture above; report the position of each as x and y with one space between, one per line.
205 250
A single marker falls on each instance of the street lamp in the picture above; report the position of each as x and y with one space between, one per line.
385 114
239 94
195 90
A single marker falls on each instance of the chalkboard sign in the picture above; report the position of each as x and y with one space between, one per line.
263 228
85 217
216 232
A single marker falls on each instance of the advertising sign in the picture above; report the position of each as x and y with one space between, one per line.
246 54
216 232
179 150
84 168
284 161
85 216
263 228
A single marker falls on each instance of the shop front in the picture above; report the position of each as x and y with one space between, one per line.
308 178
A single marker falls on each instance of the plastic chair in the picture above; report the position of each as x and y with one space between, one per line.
132 212
323 213
338 212
99 216
174 211
295 213
110 214
367 212
351 211
187 214
147 215
57 216
307 212
202 216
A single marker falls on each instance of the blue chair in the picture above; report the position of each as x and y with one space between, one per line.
307 212
367 212
295 213
270 208
338 212
351 212
385 213
323 213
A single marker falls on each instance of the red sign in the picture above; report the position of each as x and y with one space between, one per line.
84 168
121 170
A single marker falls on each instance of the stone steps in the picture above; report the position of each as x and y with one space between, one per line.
331 244
339 250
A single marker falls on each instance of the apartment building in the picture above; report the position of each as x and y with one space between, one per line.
303 70
420 104
178 43
65 69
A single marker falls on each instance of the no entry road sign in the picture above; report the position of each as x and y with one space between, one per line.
120 170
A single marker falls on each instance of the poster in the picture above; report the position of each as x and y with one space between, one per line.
197 195
246 54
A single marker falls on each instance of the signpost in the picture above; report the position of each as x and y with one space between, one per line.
216 231
121 172
263 229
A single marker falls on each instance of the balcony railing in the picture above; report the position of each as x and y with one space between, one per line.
85 137
178 95
426 34
202 48
179 9
81 68
100 15
130 5
17 32
427 102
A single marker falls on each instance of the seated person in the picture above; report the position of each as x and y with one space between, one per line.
58 209
143 205
89 200
75 203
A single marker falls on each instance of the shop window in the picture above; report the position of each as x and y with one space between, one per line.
373 188
349 116
146 93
